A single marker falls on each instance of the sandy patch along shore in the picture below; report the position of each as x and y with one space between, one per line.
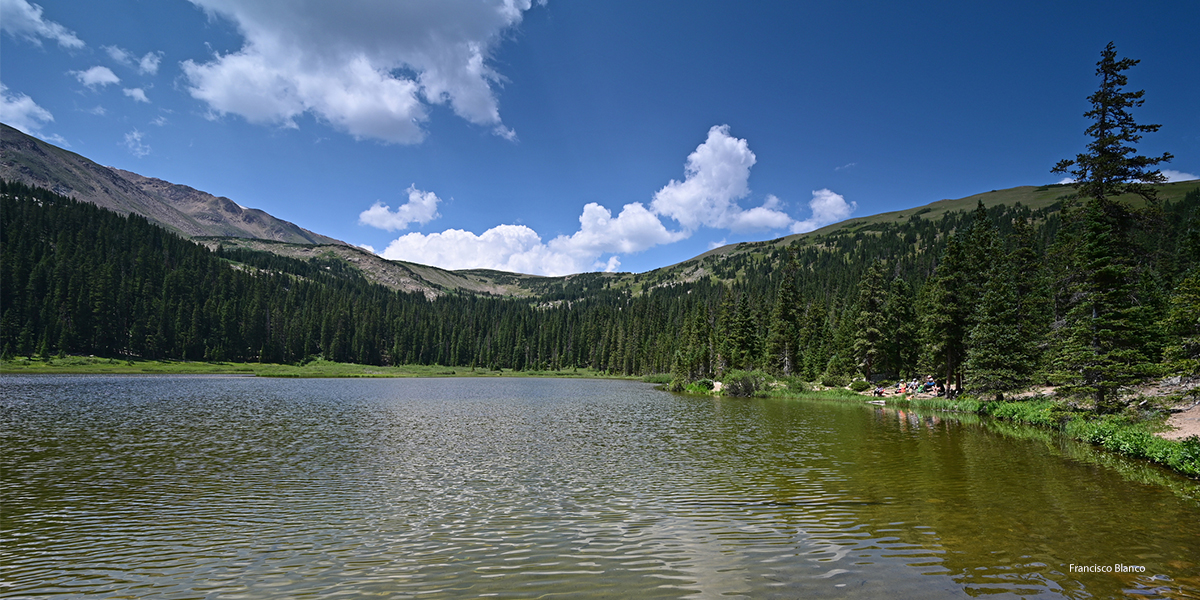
1183 424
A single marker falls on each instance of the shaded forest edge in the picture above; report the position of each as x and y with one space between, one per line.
988 303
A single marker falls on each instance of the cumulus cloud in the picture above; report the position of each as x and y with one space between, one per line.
137 94
717 175
133 142
368 68
24 20
21 112
1173 175
514 248
519 248
827 208
97 76
634 230
420 208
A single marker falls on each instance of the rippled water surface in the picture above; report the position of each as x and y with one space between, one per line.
174 487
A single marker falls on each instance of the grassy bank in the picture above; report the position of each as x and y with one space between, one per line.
88 365
1131 434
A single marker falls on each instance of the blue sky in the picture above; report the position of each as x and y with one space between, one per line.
568 136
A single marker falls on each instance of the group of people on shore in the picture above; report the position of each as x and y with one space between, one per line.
913 387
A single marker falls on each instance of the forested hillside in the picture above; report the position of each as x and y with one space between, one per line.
989 300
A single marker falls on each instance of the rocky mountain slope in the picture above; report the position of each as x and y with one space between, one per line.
188 211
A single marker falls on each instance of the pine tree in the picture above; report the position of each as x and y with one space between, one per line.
783 339
996 361
902 346
1183 325
1111 166
1105 337
869 323
946 309
1107 329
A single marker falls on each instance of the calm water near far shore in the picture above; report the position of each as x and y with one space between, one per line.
232 487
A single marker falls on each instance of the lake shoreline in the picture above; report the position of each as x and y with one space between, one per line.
316 369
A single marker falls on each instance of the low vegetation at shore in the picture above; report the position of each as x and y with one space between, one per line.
91 365
1133 432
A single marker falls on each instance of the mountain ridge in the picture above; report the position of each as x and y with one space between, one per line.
214 221
185 210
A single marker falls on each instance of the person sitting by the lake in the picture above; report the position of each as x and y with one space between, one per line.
878 391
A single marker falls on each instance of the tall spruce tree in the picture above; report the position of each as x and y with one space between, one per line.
783 337
1111 166
946 309
1107 329
870 322
902 345
996 360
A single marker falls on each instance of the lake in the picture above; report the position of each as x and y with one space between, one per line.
233 487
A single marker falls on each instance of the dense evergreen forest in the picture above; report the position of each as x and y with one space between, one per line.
989 301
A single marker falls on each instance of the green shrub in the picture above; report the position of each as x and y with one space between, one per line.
677 385
706 384
659 378
743 384
835 381
859 385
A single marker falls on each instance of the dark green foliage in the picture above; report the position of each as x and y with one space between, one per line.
997 361
947 308
869 334
1182 325
1106 329
901 344
744 384
1111 166
75 279
783 339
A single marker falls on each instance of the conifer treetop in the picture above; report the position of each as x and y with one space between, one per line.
1111 166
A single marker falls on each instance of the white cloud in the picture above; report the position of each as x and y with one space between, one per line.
96 76
136 94
1173 175
514 248
118 54
827 208
133 141
717 175
420 208
634 230
368 68
520 249
1066 181
24 20
146 65
21 112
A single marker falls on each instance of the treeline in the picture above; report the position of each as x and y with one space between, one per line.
76 279
1081 294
